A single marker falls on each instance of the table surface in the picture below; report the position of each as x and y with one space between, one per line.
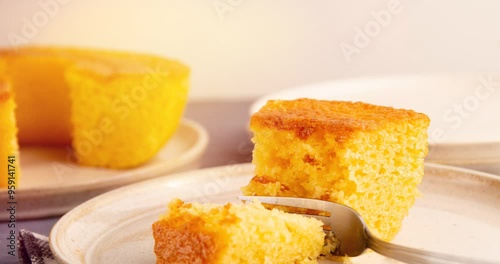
226 123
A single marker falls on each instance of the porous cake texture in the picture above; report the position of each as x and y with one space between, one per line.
235 233
116 109
8 133
364 156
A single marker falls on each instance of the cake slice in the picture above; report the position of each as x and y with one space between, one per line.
137 103
235 233
364 156
8 132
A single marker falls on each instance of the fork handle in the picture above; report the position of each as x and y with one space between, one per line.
416 256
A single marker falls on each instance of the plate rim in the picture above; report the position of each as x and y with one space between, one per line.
244 167
56 201
198 147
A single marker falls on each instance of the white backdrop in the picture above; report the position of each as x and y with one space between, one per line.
243 48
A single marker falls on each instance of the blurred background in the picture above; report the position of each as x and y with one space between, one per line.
242 48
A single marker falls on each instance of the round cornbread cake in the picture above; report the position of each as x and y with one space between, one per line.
364 156
235 233
116 109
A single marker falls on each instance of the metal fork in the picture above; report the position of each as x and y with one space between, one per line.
350 228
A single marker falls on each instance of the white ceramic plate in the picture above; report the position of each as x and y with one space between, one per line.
464 110
458 213
52 185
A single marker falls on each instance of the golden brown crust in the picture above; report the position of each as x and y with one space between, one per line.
184 238
99 63
184 243
181 238
306 116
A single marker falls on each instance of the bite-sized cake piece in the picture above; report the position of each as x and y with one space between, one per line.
235 233
364 156
8 132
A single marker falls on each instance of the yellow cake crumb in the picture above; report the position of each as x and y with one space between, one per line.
235 233
364 156
8 132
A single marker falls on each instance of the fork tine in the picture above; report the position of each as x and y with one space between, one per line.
291 201
294 202
325 219
348 226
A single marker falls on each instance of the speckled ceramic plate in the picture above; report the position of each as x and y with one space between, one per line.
52 185
458 213
463 108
